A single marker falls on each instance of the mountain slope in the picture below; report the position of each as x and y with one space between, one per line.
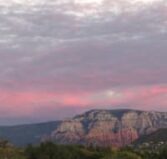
108 127
158 136
27 134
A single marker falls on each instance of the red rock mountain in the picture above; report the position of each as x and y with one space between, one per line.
108 127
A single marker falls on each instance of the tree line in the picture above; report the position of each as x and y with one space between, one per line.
54 151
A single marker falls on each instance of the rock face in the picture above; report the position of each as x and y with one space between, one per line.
108 127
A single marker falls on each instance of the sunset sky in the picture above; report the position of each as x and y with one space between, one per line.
62 57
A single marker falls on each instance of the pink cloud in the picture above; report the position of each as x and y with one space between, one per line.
27 103
148 97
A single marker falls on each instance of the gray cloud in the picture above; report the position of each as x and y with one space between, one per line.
62 46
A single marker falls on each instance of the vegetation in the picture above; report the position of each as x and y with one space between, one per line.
52 151
8 151
159 136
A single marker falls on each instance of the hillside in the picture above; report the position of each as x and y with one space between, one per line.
155 137
25 134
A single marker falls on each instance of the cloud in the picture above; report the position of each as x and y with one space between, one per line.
28 103
62 54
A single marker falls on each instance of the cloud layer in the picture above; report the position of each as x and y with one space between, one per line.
58 55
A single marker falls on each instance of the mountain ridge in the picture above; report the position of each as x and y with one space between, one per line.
100 127
21 135
118 127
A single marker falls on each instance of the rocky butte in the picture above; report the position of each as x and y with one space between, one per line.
108 127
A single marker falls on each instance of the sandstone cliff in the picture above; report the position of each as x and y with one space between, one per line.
108 127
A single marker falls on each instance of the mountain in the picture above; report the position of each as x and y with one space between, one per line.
108 127
155 137
27 134
96 127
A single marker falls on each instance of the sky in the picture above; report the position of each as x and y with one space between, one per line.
63 57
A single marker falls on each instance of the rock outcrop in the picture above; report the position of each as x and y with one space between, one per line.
108 127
